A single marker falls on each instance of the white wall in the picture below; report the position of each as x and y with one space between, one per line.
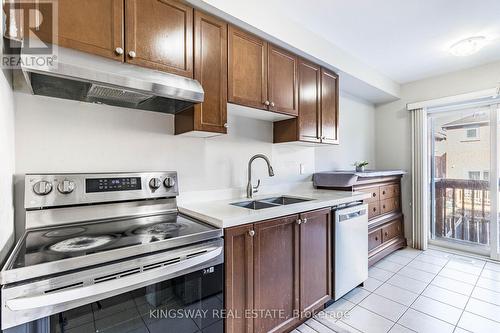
55 135
357 137
6 159
393 148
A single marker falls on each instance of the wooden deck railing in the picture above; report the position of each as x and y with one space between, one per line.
463 210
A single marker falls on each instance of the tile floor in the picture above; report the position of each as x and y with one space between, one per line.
418 291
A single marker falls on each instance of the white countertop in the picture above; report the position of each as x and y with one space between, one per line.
222 214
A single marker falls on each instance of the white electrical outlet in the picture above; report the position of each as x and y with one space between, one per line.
302 168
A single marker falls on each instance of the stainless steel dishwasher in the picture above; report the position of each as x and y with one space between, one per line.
350 246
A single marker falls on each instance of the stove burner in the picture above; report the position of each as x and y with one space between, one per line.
159 229
81 243
65 232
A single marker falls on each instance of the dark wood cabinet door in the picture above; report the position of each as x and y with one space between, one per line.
282 81
276 272
329 107
247 69
92 26
315 259
210 69
239 274
374 239
309 101
159 35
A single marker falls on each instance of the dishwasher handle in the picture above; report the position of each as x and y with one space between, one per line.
352 213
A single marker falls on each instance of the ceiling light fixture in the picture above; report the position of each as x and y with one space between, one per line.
468 46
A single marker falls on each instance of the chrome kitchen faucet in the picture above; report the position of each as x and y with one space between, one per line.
253 189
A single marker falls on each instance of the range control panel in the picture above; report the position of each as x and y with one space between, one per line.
112 184
49 190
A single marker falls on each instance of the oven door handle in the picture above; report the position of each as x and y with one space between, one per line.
113 287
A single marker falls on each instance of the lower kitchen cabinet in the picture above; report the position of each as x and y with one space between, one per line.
315 259
276 273
238 257
280 267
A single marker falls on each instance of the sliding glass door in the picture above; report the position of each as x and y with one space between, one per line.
463 146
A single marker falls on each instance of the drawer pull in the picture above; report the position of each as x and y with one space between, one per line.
383 192
376 238
374 209
386 233
383 206
374 194
251 233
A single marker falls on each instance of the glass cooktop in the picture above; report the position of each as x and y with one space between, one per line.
76 240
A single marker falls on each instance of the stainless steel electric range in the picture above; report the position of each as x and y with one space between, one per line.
110 253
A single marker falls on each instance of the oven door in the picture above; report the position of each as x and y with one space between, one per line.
176 291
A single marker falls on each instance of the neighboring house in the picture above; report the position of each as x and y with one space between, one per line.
462 148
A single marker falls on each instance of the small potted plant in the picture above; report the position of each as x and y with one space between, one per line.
360 166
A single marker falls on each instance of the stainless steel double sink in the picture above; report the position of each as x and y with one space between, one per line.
269 202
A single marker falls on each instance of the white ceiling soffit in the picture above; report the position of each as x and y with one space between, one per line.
265 18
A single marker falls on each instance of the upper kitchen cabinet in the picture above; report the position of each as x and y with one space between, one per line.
261 75
159 35
329 107
92 26
247 69
282 81
318 119
210 69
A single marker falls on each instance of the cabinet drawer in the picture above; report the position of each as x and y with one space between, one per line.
374 193
374 239
389 191
373 209
389 205
391 230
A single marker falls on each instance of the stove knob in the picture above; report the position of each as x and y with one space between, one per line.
66 186
155 183
169 182
42 187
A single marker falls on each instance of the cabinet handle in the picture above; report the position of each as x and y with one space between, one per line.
272 104
383 206
119 51
132 54
304 221
383 192
386 233
376 238
266 103
251 233
374 209
225 125
374 194
299 221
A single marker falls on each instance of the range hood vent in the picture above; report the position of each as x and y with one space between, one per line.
88 78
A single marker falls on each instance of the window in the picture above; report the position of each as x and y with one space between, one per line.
475 175
472 133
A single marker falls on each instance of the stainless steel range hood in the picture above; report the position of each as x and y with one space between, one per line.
85 77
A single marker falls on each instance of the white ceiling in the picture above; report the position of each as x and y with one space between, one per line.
406 40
